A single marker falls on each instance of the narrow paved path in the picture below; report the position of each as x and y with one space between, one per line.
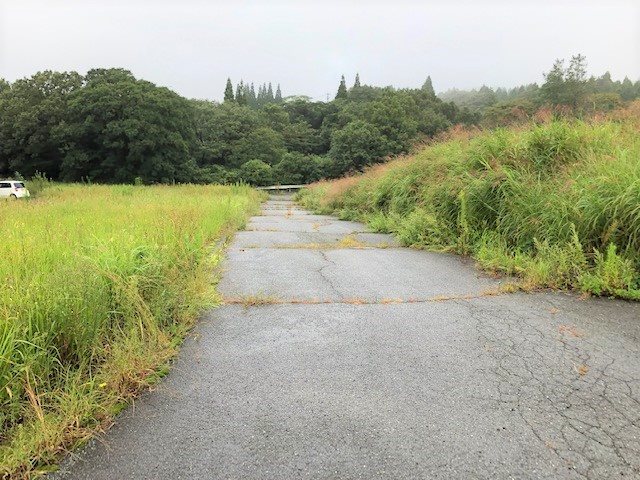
342 356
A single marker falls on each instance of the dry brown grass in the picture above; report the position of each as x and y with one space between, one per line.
348 241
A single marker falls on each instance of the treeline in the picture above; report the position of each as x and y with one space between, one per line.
567 89
110 127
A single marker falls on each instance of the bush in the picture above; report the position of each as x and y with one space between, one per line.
256 172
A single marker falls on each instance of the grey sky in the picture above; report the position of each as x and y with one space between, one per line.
193 46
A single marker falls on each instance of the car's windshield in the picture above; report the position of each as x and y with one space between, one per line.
18 185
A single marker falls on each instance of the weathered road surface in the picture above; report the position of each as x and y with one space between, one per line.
411 369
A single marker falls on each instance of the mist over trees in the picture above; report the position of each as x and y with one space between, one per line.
566 88
111 127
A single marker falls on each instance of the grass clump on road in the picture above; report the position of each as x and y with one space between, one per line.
557 204
99 284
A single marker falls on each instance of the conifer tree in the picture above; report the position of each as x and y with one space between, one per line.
240 94
278 94
427 87
270 93
342 89
228 91
356 84
252 101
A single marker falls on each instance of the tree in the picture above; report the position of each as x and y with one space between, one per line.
270 97
241 97
342 89
566 86
219 128
261 144
118 128
355 146
256 172
301 137
252 101
228 91
278 97
553 89
296 168
356 84
627 90
31 112
427 87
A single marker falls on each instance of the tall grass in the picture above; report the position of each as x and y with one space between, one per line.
557 204
98 285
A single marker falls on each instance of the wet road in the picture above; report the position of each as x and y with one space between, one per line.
341 355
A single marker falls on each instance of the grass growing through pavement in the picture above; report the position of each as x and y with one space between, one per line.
557 204
99 284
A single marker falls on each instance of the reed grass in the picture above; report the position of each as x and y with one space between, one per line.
557 203
99 284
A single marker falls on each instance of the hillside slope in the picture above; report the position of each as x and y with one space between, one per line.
557 204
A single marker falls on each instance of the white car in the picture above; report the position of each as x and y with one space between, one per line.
13 189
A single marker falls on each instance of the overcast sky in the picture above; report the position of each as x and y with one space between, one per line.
192 46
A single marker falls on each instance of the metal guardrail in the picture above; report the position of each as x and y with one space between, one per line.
281 187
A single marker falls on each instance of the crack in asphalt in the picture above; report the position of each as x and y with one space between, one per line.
592 419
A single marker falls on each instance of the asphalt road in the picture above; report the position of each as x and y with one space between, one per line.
382 362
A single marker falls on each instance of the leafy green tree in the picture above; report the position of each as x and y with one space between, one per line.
275 117
627 90
219 128
4 85
301 137
566 86
228 91
604 84
356 83
342 89
31 112
427 87
601 102
278 97
262 144
256 172
355 146
118 128
296 168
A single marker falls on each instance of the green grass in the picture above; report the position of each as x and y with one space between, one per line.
99 285
557 204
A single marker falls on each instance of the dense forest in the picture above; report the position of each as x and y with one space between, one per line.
565 86
110 127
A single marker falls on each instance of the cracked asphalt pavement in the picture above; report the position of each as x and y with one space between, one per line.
382 362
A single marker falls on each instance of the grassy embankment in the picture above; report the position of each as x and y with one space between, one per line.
557 204
99 285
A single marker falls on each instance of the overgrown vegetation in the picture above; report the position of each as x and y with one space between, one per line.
556 203
566 90
99 284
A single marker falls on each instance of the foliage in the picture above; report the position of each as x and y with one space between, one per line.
103 282
256 172
565 87
356 145
118 128
556 204
110 127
